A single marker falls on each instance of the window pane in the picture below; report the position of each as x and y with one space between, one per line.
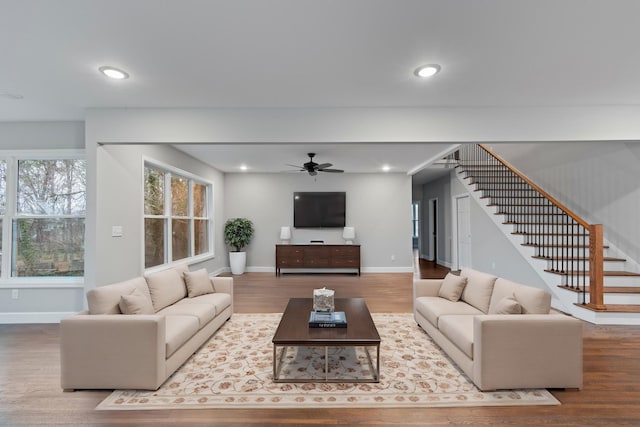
48 247
3 185
154 232
1 254
180 239
200 236
51 187
153 192
179 196
199 200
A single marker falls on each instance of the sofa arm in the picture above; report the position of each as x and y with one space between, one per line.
223 285
426 287
527 351
112 351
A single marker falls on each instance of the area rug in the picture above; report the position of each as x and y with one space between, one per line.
234 370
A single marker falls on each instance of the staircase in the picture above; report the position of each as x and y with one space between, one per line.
570 253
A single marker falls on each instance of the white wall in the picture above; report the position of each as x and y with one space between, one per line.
120 194
37 302
378 206
598 181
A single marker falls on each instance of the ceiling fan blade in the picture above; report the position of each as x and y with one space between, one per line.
294 166
331 170
324 166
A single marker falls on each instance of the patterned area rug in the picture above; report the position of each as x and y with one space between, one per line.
234 370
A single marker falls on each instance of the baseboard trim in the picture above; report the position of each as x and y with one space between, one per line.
33 317
323 270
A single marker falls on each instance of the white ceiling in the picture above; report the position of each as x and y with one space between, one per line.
311 53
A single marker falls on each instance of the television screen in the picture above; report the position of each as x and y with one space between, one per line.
319 209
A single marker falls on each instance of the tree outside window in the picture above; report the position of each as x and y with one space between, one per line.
47 230
177 222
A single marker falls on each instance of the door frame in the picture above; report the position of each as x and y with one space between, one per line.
455 264
432 229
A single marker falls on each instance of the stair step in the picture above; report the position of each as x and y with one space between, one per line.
577 258
612 308
551 245
518 205
522 233
609 273
607 289
515 197
534 214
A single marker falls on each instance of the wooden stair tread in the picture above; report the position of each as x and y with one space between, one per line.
605 273
612 308
547 245
534 214
607 289
540 223
576 258
522 233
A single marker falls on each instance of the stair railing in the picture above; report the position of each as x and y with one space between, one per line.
558 234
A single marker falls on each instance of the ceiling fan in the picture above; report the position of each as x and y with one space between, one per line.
313 168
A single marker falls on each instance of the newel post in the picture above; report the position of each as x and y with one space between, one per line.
596 267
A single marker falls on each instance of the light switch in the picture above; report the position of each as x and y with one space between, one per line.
116 231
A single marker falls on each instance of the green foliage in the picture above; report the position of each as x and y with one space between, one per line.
238 233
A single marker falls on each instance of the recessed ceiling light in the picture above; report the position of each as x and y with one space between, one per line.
243 167
427 70
386 168
113 73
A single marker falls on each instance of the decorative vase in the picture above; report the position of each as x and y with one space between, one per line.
237 261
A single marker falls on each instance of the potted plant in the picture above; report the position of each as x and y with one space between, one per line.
237 234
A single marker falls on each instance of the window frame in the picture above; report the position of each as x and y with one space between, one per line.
168 216
12 157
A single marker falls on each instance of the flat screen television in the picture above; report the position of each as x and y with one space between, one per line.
319 209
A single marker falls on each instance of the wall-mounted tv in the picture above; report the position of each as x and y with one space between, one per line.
319 209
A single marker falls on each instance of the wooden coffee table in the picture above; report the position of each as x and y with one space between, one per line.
294 331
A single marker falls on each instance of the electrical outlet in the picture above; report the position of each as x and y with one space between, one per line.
493 265
393 257
15 293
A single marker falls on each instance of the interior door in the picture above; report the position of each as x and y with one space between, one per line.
463 227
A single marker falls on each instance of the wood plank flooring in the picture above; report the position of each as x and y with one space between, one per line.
30 393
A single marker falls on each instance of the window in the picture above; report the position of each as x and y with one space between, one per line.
175 205
42 211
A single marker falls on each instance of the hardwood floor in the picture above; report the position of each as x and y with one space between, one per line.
30 393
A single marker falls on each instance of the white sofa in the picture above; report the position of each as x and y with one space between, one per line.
170 314
532 347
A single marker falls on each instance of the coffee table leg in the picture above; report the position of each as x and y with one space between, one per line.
374 370
277 361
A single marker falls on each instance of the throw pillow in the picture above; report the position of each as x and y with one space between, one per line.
452 287
136 303
198 282
508 305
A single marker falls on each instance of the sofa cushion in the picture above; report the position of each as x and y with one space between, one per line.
479 288
178 331
166 287
532 300
434 307
203 312
220 300
508 305
198 282
452 287
106 299
136 303
459 330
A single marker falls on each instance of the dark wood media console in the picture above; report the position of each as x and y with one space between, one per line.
317 256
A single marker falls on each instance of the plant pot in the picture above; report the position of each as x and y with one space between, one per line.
237 261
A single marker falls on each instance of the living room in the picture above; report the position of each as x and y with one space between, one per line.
573 132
